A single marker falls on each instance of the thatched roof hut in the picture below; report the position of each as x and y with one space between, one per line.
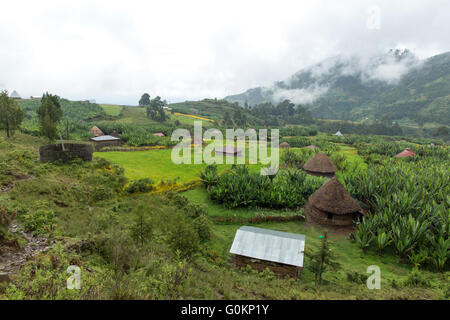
320 165
333 205
115 134
96 132
284 145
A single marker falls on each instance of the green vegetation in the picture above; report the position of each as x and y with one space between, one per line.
141 227
241 188
421 95
10 114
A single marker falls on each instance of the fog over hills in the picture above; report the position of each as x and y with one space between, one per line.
396 84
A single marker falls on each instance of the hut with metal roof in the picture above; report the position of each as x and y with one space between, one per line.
96 132
320 165
105 141
405 154
281 252
228 151
339 134
284 145
333 205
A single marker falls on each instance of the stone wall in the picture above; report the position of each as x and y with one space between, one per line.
101 144
278 269
54 152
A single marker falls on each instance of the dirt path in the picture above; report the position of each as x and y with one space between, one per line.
13 256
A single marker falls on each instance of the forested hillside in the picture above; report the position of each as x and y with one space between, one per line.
397 87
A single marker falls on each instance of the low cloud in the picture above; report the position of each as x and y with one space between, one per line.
299 96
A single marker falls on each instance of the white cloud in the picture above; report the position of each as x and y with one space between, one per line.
114 50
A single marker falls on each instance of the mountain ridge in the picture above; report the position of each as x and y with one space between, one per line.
396 85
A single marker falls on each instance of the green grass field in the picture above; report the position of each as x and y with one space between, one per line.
157 165
349 255
111 109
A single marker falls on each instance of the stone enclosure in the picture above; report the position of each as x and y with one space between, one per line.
54 152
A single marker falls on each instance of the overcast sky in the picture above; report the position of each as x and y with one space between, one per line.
113 51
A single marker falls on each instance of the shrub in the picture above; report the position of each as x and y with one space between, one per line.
140 186
183 237
203 226
38 221
209 176
416 279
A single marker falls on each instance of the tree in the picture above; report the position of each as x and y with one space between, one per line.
227 119
155 110
49 113
145 100
322 260
11 115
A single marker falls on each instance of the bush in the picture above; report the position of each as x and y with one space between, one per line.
140 186
183 237
203 226
209 176
39 221
416 279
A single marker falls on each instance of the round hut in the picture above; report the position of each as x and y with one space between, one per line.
332 205
320 165
96 132
115 134
284 145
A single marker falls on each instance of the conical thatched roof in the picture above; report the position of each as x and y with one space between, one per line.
96 132
284 145
332 197
15 95
320 163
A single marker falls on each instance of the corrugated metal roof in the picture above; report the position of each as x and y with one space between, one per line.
269 245
104 138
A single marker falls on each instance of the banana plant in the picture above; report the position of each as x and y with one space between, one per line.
383 240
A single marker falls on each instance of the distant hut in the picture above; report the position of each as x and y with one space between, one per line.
405 153
159 134
332 205
320 165
228 151
96 132
339 134
15 95
284 145
115 134
281 252
105 141
312 147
